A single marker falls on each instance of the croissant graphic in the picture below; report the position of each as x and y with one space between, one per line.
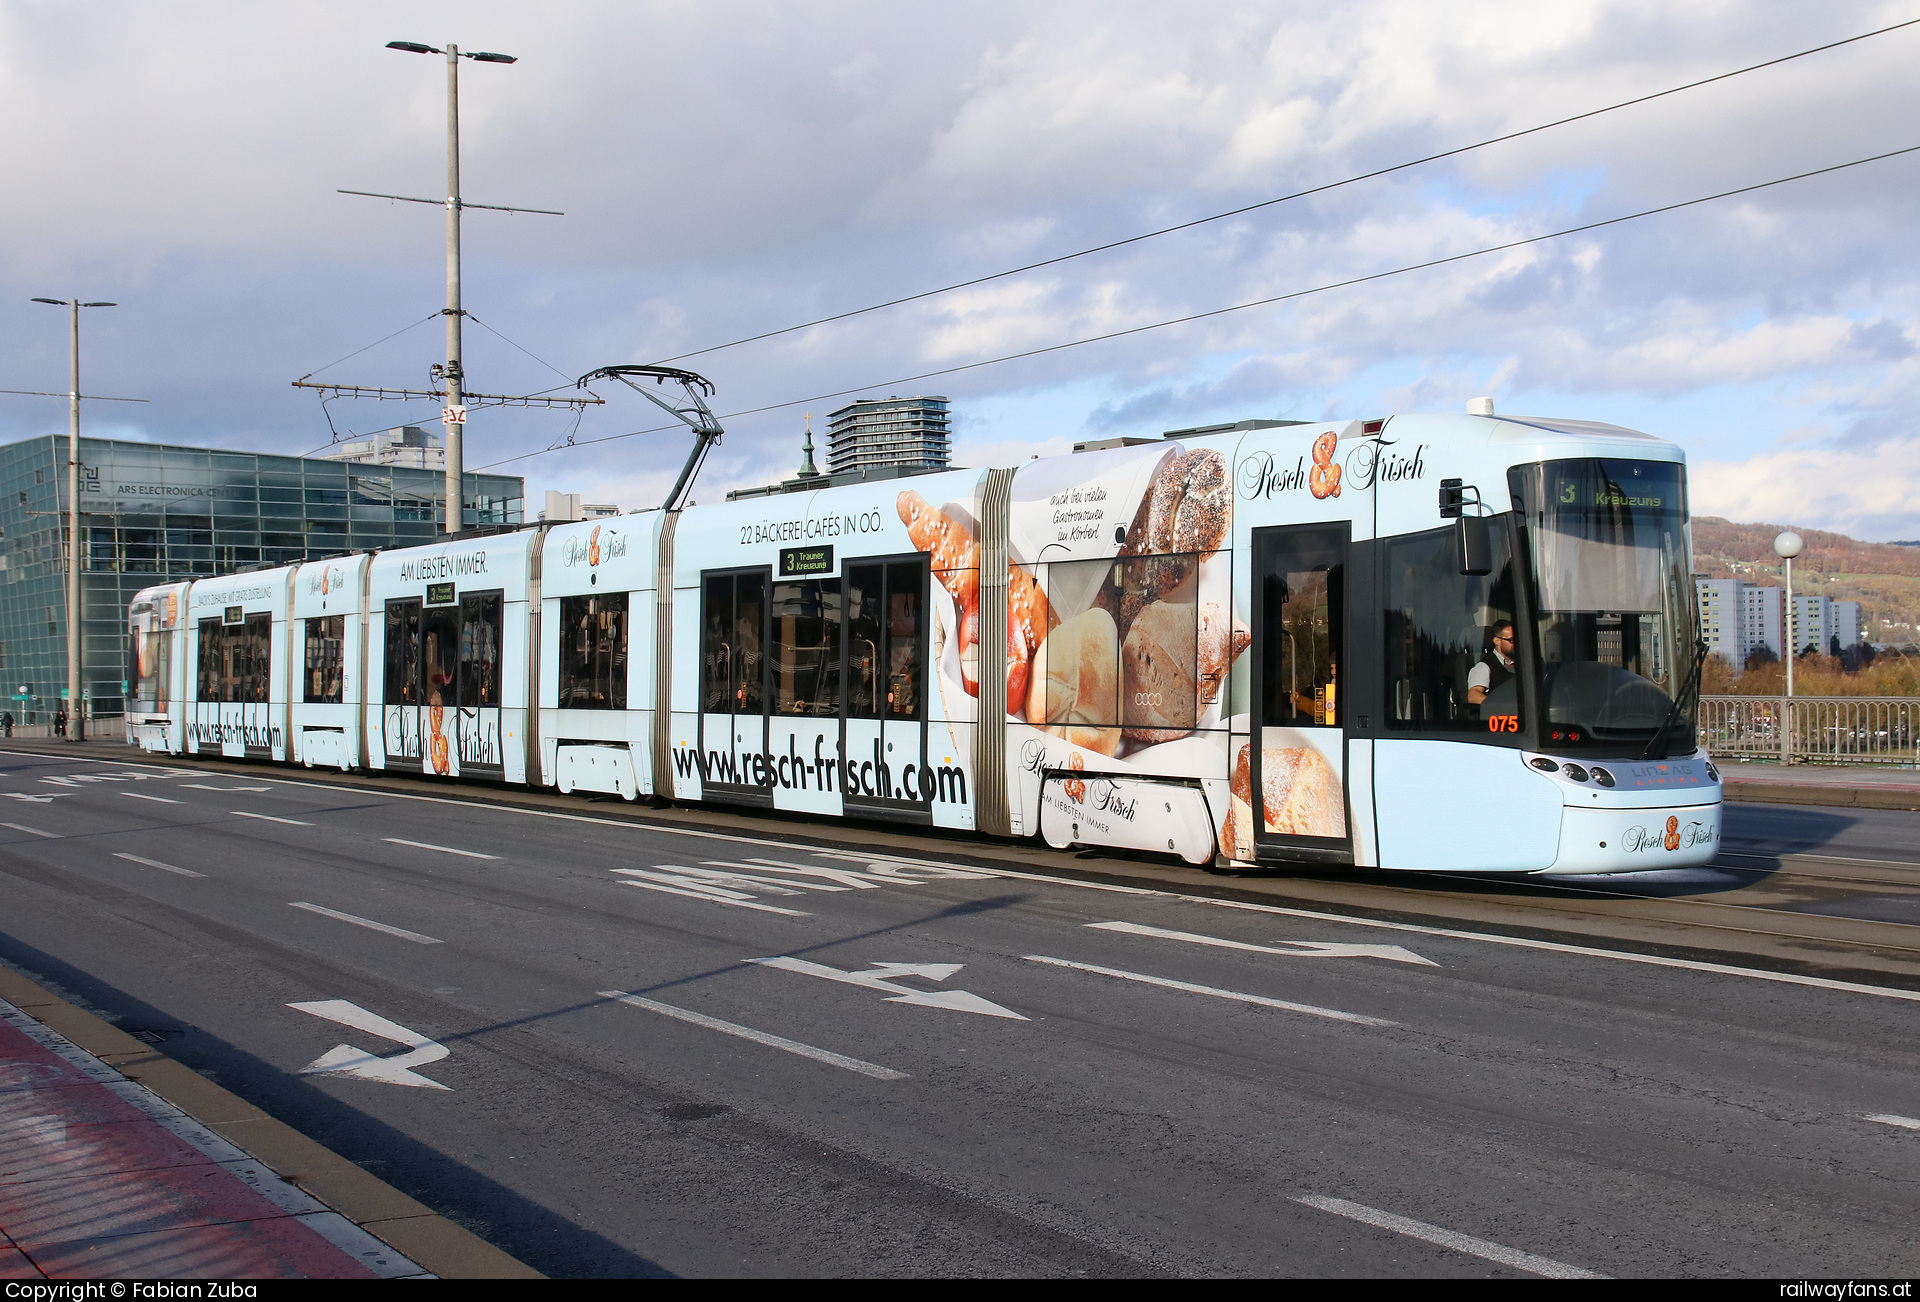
1324 479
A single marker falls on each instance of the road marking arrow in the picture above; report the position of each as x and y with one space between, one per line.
47 799
881 974
1297 948
345 1060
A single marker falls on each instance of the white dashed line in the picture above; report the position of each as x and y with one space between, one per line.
1481 1248
22 827
368 923
268 818
155 863
1189 987
140 795
443 849
758 1037
1888 1119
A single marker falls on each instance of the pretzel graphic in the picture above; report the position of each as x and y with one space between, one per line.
1324 478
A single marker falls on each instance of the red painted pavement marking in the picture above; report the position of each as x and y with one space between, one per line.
14 1265
276 1249
45 1212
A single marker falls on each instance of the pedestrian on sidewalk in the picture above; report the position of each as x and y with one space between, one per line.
60 722
6 721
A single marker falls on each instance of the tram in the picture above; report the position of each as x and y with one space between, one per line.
1461 643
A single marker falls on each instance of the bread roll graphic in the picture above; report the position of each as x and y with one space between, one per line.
1074 689
1158 697
1221 640
1300 794
1237 836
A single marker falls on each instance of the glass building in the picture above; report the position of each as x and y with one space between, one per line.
152 512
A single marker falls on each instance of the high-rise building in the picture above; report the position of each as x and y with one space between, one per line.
1849 624
412 446
1766 612
910 433
1723 623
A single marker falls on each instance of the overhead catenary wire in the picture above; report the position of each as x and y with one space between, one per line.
1242 307
1287 198
435 314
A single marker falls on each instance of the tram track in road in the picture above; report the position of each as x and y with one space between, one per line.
1670 921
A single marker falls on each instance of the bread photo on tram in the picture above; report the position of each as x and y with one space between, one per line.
1299 796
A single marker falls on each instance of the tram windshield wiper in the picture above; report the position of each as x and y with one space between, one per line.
1662 739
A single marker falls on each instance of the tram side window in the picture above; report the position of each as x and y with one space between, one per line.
234 661
150 670
1303 609
806 648
1440 628
593 652
886 640
326 659
480 650
439 654
403 653
733 633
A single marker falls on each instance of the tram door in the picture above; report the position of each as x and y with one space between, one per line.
1295 765
441 707
887 664
733 707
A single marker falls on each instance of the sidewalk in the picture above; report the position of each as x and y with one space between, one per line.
102 1178
1859 786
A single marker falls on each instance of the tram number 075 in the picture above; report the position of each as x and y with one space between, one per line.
1503 723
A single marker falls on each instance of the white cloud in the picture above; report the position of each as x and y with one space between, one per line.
1872 493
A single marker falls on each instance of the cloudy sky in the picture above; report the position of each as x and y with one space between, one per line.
728 168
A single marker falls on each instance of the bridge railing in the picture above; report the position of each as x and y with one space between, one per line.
1813 729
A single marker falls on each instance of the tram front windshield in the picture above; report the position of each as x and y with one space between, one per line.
1613 601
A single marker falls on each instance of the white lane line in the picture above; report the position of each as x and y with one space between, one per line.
267 818
1486 1251
1301 948
155 863
1888 1119
1215 991
443 849
368 923
22 827
758 1037
201 786
140 795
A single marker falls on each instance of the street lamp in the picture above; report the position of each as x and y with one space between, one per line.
1787 546
75 730
453 417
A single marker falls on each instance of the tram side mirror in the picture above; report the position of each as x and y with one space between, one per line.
1472 544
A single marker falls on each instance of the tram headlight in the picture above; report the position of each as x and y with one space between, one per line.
1603 777
1574 771
1545 765
1713 774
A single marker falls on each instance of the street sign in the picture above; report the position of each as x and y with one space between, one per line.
63 693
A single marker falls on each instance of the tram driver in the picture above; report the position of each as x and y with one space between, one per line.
1495 669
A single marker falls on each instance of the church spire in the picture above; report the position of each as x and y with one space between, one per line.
806 449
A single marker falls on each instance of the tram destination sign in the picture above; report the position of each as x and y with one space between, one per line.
440 594
798 561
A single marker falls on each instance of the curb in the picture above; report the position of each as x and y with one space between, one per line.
411 1228
1802 793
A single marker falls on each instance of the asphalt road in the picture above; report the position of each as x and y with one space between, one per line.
955 1070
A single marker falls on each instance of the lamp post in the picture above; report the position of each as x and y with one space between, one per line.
75 729
454 415
1787 546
